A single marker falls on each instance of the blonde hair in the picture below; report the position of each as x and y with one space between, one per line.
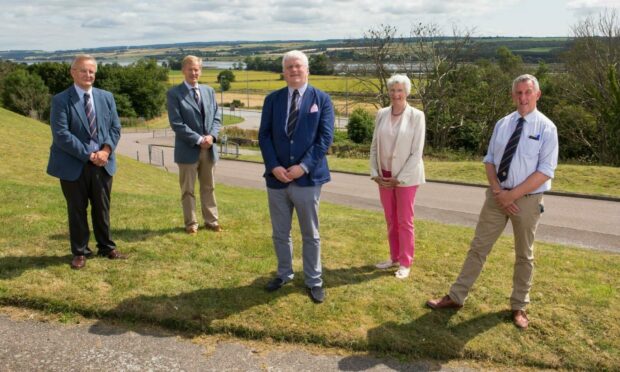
191 60
83 57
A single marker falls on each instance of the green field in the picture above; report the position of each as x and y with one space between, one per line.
263 81
212 283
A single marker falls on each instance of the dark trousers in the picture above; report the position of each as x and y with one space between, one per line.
94 185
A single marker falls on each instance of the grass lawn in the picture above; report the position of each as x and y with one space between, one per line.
162 122
212 283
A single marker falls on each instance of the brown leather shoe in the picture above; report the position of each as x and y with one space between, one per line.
78 262
519 318
443 303
216 228
114 254
192 230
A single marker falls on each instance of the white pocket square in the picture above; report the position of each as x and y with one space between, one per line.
314 108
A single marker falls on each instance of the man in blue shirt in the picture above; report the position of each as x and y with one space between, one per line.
520 163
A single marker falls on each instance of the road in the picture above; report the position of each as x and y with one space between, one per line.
582 222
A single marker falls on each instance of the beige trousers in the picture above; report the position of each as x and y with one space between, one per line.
203 169
491 224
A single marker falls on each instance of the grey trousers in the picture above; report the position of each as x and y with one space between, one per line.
305 202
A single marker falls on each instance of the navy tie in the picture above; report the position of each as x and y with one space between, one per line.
90 115
509 151
291 123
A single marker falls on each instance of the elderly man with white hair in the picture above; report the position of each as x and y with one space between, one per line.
296 130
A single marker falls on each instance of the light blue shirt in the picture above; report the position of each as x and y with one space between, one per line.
93 145
537 149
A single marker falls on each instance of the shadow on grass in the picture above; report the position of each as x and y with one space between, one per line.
429 337
197 312
14 266
128 235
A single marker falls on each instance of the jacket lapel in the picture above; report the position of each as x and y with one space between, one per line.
79 109
281 110
189 97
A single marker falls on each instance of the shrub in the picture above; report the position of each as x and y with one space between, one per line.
360 126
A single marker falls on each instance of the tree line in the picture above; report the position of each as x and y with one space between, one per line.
139 89
463 100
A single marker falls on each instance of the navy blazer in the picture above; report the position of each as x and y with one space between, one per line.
309 143
71 133
187 123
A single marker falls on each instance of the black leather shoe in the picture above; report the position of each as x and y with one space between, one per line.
274 285
317 294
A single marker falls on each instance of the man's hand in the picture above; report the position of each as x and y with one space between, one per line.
207 142
100 158
506 201
294 172
281 174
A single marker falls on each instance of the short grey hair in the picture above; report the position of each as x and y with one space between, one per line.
400 79
525 78
190 60
294 54
83 57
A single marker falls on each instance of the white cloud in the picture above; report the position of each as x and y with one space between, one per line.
69 24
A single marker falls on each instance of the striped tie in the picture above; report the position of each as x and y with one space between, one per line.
291 123
90 115
509 151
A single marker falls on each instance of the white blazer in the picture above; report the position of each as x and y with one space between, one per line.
407 164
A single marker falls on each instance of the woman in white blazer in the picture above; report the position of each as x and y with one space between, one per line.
396 166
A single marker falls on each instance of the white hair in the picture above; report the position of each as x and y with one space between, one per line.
83 57
400 79
525 78
294 54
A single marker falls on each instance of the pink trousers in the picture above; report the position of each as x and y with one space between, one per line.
398 209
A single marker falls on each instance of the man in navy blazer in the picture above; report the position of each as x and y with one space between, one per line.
85 131
296 130
192 112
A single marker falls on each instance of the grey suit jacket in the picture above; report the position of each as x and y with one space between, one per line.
71 133
188 124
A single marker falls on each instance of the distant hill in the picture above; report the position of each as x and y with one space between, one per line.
531 49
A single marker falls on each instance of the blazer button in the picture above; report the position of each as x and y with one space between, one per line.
292 157
292 142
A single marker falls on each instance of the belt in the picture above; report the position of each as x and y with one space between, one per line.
532 194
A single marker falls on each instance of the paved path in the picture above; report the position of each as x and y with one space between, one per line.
582 222
31 345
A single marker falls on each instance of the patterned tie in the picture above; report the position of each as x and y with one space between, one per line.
509 151
90 115
292 115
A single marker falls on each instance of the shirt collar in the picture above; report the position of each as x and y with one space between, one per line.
529 117
300 90
81 91
189 86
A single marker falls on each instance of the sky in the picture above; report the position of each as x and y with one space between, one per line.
71 24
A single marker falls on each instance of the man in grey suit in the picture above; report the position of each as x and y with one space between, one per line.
192 112
85 130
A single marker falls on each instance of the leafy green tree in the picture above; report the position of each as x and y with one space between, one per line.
226 74
508 62
6 67
360 127
26 94
320 65
56 76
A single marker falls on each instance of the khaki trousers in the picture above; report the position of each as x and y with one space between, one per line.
491 223
203 169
